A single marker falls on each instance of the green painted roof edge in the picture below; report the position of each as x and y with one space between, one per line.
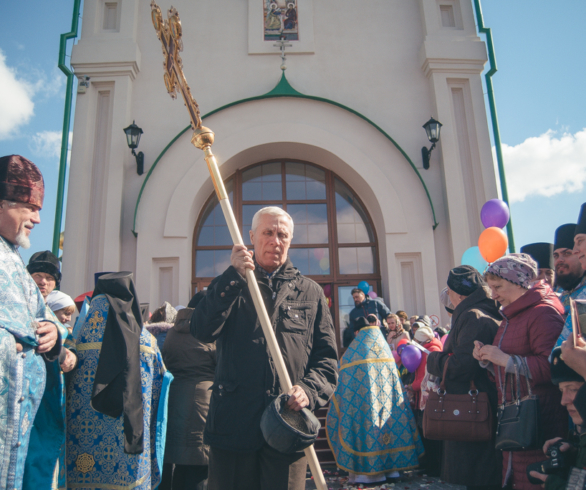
284 89
493 115
72 34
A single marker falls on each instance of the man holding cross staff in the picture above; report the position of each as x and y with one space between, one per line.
273 330
246 379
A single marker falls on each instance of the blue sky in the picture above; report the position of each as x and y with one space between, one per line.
539 94
541 112
29 51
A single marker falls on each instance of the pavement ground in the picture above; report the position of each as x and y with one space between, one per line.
410 480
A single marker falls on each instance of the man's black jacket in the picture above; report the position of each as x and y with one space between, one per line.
246 379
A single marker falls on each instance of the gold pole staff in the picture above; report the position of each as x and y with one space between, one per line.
169 33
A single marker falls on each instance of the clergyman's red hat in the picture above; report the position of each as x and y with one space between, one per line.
21 181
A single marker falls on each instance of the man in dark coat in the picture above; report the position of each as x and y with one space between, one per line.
364 305
475 318
246 380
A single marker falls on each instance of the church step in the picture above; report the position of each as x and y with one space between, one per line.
321 444
322 448
325 456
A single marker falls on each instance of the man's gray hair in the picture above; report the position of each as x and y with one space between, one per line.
271 211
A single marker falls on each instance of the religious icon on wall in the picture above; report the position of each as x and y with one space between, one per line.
280 20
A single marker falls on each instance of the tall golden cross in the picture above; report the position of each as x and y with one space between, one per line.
169 33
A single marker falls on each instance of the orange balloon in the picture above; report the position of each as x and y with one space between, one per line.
492 243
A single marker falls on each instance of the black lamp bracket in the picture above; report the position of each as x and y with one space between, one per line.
425 155
139 161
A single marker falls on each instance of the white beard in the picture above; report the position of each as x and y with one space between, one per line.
22 240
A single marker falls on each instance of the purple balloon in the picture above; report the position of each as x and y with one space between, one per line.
494 213
372 295
411 358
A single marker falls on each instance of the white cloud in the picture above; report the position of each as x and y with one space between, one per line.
16 105
43 85
53 85
546 165
48 144
18 91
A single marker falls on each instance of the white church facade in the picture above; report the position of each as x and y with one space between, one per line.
335 139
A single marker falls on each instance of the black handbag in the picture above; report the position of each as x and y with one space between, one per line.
518 422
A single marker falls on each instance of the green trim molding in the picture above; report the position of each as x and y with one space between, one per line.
66 124
284 89
494 117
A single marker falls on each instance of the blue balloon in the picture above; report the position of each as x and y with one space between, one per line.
473 257
364 286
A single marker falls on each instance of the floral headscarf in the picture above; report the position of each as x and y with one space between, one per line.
519 269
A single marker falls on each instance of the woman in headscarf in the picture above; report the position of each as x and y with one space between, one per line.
532 322
370 427
396 331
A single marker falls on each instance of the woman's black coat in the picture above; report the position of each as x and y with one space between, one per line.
475 318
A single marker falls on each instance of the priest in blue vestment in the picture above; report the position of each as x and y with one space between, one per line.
370 426
116 407
27 337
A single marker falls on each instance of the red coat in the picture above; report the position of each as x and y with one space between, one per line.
434 346
530 329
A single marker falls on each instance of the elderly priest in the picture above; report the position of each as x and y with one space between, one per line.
27 337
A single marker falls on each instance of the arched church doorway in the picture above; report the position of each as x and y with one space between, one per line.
334 240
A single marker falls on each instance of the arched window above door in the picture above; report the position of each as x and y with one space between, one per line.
334 241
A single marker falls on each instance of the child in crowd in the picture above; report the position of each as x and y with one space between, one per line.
63 306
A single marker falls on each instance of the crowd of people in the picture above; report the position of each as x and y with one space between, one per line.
190 397
510 334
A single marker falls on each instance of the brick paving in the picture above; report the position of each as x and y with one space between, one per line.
411 480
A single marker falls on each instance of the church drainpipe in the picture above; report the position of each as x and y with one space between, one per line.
66 124
493 116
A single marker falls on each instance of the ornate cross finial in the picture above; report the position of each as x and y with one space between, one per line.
169 33
282 44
